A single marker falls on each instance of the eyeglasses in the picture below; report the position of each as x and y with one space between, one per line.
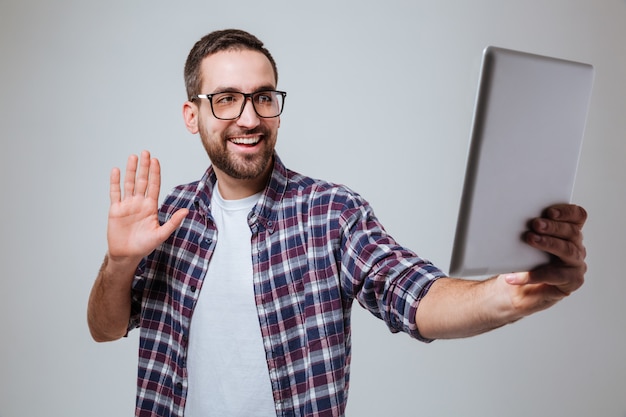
229 105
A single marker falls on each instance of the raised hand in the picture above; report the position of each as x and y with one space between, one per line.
133 226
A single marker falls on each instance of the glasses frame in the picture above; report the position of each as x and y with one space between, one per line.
246 96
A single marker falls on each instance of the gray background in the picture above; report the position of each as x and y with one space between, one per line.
380 98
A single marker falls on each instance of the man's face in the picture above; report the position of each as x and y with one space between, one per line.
241 148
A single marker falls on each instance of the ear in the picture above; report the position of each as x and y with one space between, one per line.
190 115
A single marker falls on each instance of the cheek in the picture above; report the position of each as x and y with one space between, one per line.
273 126
211 128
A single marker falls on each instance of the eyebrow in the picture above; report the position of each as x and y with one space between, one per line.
225 89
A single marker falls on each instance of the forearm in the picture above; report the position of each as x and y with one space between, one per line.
108 311
455 308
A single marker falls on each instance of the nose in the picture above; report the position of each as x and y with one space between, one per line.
248 118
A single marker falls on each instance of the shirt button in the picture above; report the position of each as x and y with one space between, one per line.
193 288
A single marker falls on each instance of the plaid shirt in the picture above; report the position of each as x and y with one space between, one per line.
315 248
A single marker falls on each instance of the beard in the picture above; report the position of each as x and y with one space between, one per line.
241 167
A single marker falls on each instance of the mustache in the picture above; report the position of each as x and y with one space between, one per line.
259 130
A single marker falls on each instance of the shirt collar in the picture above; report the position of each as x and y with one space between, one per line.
264 213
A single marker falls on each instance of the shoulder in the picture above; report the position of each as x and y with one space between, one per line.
322 193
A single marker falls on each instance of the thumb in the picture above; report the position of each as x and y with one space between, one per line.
173 223
518 278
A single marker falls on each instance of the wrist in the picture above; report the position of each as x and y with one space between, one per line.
117 264
118 269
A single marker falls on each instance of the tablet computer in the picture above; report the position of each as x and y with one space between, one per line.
527 132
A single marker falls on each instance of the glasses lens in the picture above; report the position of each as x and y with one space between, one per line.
268 103
227 105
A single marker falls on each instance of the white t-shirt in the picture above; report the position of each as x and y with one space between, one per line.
227 368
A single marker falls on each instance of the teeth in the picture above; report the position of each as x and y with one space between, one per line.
245 141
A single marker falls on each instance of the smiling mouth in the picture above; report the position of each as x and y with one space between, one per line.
246 141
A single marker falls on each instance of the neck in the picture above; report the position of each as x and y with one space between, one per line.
236 189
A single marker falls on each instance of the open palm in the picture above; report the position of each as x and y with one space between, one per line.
134 229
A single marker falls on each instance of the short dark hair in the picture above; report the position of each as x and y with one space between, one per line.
217 41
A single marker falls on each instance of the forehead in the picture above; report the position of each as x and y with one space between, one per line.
243 70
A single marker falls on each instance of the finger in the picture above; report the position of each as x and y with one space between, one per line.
534 278
569 213
129 176
115 191
556 228
173 223
564 281
529 298
141 183
569 251
154 181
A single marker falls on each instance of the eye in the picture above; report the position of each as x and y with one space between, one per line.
265 97
226 99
